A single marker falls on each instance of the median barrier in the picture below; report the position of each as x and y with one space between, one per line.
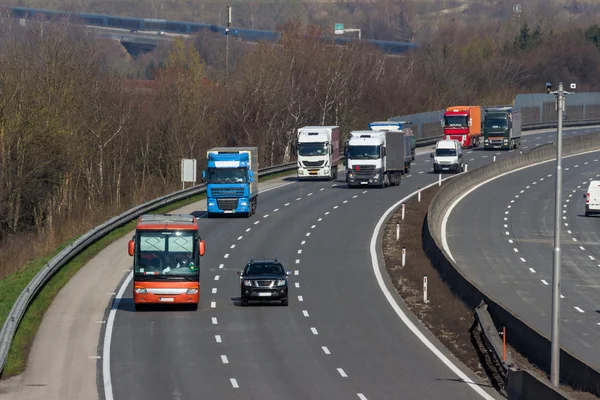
524 338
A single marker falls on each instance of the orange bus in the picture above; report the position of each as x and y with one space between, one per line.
166 251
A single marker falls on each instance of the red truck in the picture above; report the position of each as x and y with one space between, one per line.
464 124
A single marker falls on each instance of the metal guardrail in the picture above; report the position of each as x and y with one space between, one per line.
18 310
491 337
68 253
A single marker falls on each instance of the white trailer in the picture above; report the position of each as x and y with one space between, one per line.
318 152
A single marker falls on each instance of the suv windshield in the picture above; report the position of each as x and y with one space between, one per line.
227 175
166 253
312 149
264 269
445 152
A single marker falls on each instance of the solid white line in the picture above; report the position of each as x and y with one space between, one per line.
314 331
579 309
305 313
398 310
108 392
218 339
342 373
234 383
465 194
275 187
224 359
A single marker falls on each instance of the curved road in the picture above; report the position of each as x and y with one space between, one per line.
502 235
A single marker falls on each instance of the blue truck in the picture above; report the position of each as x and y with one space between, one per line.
232 180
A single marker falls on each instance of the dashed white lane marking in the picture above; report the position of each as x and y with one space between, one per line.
421 172
509 206
297 284
299 198
579 309
507 233
310 194
313 227
342 373
327 213
307 233
224 359
355 196
218 339
334 207
344 202
302 243
297 261
506 226
226 255
582 248
325 350
234 383
314 331
361 396
286 204
300 298
522 259
213 304
544 282
240 237
232 246
364 191
300 251
506 212
305 313
516 250
296 272
221 266
320 219
591 257
214 290
532 270
265 216
257 222
248 230
275 210
510 241
216 277
562 297
321 189
214 320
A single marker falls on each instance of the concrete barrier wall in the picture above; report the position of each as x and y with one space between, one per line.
524 338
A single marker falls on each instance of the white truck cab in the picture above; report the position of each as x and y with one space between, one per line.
318 152
592 199
448 156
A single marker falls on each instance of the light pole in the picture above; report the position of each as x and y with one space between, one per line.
227 42
555 346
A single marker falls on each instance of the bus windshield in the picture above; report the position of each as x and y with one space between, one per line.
167 254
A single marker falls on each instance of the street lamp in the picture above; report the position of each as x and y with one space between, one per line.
227 41
555 340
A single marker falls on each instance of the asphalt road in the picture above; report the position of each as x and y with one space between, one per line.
502 236
338 338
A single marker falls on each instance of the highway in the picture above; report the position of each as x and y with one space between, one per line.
339 337
502 234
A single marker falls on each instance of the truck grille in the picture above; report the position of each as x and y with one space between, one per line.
364 167
227 204
313 163
226 192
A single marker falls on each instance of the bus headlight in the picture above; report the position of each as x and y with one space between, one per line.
191 291
141 290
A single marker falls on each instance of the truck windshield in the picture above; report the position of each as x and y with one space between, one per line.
166 254
312 149
227 175
495 123
456 121
363 152
445 152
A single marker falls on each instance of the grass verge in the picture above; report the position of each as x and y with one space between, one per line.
13 285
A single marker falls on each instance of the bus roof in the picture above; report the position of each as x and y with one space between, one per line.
167 222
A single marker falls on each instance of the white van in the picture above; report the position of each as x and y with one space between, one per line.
592 198
448 156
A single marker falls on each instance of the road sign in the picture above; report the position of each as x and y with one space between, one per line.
338 29
188 171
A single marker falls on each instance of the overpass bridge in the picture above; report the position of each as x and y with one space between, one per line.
142 34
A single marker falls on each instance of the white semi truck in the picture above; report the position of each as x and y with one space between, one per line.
376 158
318 152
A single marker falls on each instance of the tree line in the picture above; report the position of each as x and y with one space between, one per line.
80 141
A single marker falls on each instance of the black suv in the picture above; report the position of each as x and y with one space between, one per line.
264 280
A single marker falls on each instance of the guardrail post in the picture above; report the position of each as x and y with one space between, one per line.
494 158
397 232
425 290
419 195
439 179
466 167
403 256
403 208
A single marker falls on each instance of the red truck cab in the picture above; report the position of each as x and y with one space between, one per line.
464 124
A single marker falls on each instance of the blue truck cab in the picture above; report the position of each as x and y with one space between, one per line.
232 180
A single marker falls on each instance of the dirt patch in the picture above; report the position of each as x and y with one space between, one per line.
445 315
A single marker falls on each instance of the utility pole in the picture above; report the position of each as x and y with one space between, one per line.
556 265
227 42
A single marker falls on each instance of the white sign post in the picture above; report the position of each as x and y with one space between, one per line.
188 171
